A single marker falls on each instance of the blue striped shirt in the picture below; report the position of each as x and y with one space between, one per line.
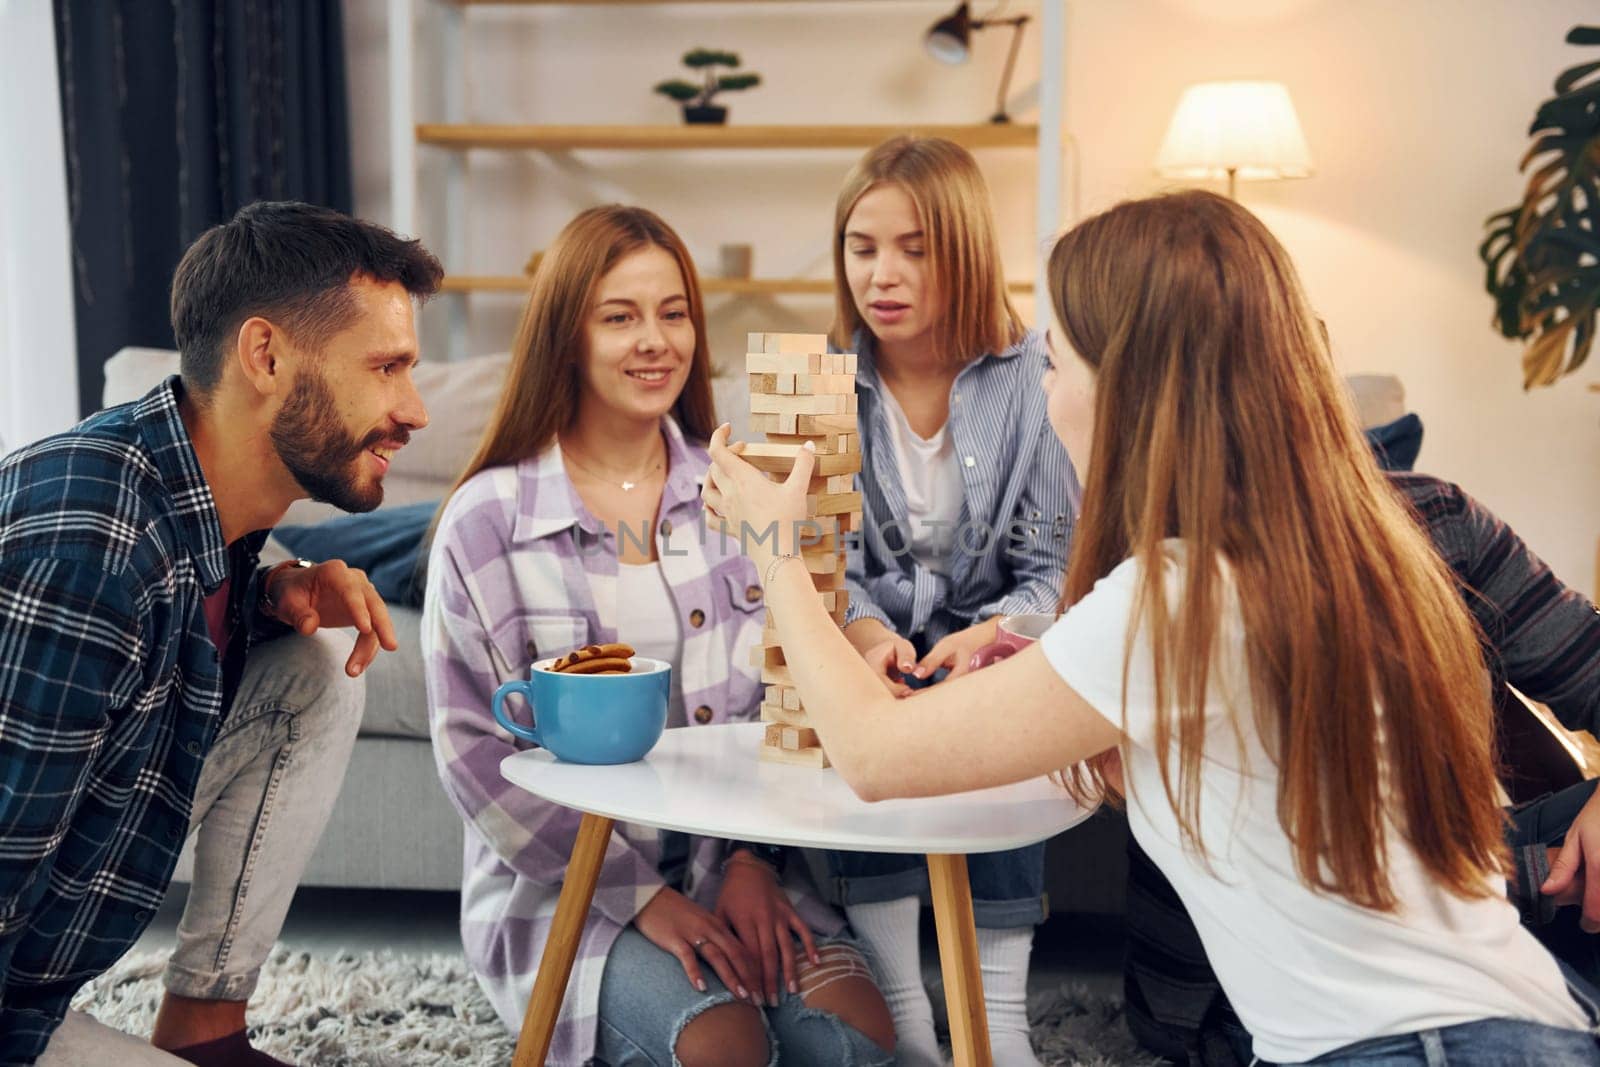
1020 500
111 692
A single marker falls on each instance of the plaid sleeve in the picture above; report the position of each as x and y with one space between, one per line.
70 646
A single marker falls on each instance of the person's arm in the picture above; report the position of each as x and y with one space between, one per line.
1039 534
533 837
1546 633
73 652
1033 721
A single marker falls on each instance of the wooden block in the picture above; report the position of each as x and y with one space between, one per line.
827 404
828 444
759 455
776 676
834 504
773 694
835 483
816 384
773 423
773 657
775 363
781 384
833 600
791 699
849 362
805 757
833 579
815 424
822 561
778 713
794 342
790 738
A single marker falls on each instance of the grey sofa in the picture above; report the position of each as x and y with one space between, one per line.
392 827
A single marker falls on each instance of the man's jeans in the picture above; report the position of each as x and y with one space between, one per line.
264 796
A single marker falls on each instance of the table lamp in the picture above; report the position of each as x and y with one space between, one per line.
1234 130
950 41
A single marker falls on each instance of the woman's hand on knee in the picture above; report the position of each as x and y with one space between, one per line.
674 923
752 902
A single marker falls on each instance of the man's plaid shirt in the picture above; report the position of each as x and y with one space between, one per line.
111 692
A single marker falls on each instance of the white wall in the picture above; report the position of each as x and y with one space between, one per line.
38 350
1416 114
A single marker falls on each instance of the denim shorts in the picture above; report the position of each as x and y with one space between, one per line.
1483 1042
646 1000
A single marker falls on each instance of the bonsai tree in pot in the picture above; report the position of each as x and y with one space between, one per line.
696 99
1543 256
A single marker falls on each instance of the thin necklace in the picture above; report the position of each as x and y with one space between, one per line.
627 486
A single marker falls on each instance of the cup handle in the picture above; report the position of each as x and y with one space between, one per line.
993 652
527 733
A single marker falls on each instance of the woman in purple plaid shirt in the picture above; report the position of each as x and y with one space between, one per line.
579 521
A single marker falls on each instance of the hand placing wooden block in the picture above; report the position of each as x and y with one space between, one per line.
827 444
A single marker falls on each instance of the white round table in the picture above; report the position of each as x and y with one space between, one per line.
708 780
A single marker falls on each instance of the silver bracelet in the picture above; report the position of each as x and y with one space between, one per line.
772 568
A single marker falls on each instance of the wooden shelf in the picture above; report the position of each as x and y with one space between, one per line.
565 138
516 283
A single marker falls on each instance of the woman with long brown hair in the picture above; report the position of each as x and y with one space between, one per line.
1260 641
578 522
967 505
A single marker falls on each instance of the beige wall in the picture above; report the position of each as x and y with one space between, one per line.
1415 111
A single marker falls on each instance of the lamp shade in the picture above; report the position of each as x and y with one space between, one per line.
950 38
1240 129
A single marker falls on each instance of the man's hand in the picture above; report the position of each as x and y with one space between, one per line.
674 923
755 906
890 656
1575 869
955 650
333 595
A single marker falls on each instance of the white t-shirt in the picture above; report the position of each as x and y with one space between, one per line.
1308 973
932 480
647 619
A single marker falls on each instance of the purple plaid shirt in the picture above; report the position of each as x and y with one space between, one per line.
521 570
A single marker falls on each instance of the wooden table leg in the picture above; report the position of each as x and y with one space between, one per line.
555 967
958 960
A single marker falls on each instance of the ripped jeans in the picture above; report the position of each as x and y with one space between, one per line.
645 1000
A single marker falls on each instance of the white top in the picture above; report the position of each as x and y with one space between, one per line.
711 781
1308 973
931 475
647 619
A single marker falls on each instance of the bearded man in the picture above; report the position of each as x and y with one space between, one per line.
154 679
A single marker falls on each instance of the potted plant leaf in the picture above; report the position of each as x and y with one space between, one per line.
1543 256
696 98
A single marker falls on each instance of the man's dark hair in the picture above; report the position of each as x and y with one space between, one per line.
288 262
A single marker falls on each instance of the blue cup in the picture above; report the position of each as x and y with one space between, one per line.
592 718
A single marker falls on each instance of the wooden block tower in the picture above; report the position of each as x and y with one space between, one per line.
801 392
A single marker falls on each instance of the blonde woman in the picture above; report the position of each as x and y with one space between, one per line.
1263 640
967 500
575 523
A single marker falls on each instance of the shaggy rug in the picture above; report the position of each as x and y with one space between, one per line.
403 1010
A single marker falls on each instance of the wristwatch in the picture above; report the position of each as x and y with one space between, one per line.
264 602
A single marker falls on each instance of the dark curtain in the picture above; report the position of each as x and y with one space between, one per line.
176 114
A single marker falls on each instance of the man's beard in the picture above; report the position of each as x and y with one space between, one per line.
312 442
